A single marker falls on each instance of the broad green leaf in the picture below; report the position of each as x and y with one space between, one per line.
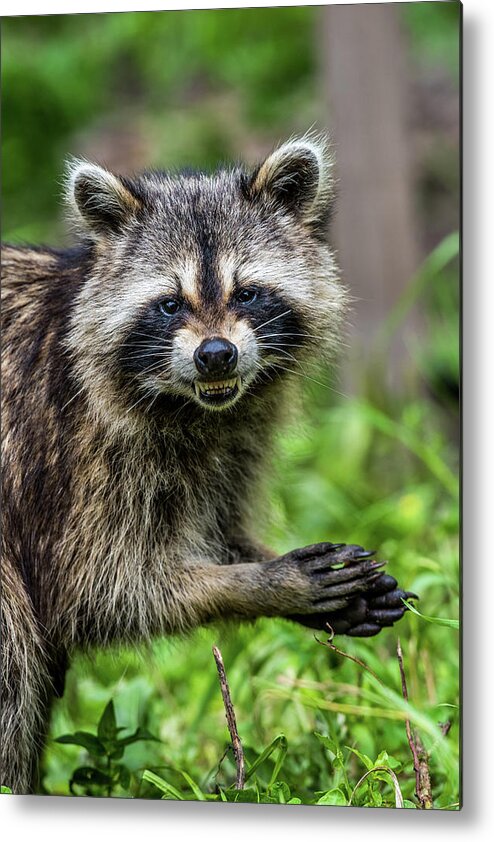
107 726
368 763
140 734
89 776
331 746
384 759
84 739
333 796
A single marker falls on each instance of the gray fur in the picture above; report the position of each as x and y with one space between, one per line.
128 503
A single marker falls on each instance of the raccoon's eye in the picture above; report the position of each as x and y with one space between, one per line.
247 295
170 306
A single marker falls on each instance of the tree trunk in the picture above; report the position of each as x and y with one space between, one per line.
363 60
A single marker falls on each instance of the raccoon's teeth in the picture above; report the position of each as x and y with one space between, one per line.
216 387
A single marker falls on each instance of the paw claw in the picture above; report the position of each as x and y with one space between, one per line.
345 587
378 604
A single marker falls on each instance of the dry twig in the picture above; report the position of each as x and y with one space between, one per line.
330 645
423 787
230 719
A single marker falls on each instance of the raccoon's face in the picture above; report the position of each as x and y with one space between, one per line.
205 288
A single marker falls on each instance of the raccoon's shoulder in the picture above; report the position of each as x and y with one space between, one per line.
33 275
22 264
27 264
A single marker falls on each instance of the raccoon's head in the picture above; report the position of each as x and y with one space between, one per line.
204 288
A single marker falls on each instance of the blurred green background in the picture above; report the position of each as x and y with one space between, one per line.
375 458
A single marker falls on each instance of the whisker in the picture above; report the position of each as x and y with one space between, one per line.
279 345
152 336
281 351
283 334
152 367
157 343
149 347
255 329
143 397
149 407
307 377
72 398
139 356
265 373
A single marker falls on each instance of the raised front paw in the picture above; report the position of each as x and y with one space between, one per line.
381 605
324 578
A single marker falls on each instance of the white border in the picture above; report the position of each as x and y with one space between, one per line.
41 818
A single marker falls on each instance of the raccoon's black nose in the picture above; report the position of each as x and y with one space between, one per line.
216 357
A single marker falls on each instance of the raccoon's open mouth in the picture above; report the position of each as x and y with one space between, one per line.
217 393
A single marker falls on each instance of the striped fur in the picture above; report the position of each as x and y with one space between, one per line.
128 503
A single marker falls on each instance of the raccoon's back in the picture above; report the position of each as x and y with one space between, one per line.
26 263
37 291
27 275
39 286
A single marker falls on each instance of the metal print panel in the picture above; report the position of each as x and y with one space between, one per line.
230 405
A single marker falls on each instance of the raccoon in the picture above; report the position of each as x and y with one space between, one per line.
146 372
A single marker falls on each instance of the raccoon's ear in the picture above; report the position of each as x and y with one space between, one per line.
298 176
100 200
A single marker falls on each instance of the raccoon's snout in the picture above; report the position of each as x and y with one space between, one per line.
216 357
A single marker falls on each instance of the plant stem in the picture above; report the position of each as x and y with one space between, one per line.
230 719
